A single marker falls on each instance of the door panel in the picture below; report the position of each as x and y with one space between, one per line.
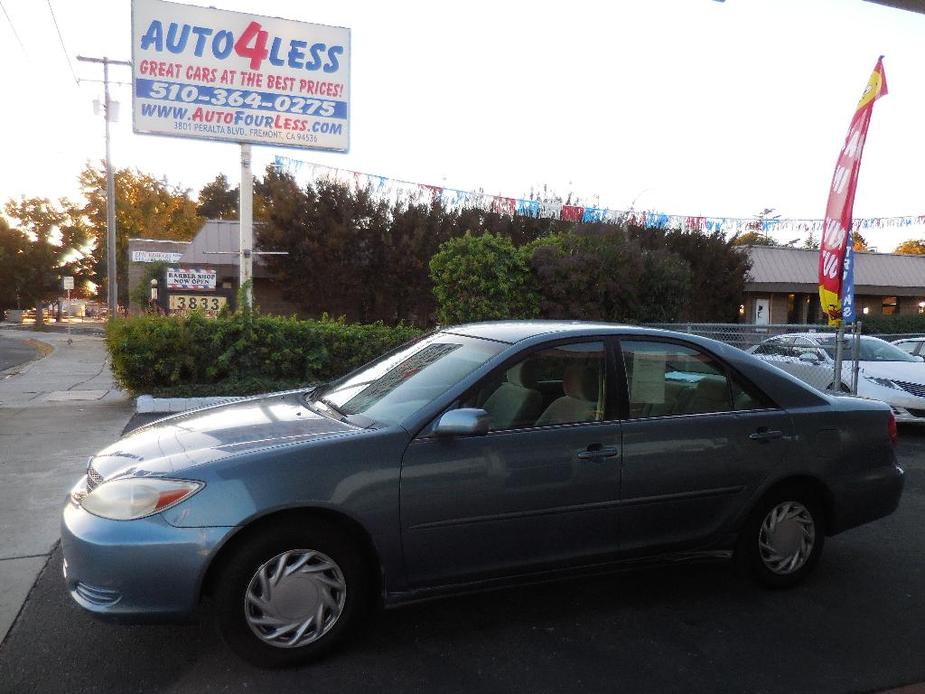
698 440
685 478
542 487
487 505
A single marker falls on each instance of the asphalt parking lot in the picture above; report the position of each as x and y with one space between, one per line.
855 626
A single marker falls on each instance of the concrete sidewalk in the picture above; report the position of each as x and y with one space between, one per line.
54 413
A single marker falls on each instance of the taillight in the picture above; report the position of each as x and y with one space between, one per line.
891 429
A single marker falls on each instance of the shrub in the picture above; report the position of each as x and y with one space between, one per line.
240 353
893 325
483 278
593 276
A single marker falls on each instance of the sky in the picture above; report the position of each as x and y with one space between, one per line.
691 107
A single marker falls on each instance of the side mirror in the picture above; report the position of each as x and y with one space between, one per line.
919 358
467 421
809 358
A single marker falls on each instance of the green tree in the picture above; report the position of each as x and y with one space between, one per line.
665 286
482 278
146 207
11 246
718 270
52 242
218 200
334 239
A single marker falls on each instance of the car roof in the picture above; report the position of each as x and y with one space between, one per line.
514 331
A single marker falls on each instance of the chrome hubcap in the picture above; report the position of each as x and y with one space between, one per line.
295 598
786 537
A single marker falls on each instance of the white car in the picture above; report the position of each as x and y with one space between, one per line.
885 371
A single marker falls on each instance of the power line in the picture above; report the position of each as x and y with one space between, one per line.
13 27
61 41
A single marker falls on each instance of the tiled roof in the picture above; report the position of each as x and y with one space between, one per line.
874 273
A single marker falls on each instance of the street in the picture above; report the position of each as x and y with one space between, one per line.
855 626
15 351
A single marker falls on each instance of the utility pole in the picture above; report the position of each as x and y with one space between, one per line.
112 274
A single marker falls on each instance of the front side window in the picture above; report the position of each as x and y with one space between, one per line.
775 347
561 385
397 385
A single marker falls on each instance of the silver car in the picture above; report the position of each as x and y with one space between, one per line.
480 455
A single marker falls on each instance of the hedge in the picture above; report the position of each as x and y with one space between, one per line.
893 325
240 353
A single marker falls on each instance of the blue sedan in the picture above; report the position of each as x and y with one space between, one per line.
477 456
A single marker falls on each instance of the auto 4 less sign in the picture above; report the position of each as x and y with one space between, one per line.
218 75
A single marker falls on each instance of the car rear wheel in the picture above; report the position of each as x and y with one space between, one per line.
783 538
290 595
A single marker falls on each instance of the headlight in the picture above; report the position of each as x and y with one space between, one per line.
137 497
884 382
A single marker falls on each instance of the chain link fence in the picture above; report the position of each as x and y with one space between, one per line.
805 351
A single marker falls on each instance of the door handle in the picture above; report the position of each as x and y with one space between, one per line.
764 435
597 452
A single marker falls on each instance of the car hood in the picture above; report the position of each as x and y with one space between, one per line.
910 372
202 436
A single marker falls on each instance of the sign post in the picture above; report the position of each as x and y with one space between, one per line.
68 284
246 215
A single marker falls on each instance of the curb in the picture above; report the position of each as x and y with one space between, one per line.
43 349
148 404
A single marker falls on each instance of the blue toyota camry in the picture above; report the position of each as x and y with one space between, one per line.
476 456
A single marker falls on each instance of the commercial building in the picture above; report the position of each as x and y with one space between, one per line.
215 247
783 285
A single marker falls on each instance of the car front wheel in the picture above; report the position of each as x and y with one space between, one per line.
783 538
290 595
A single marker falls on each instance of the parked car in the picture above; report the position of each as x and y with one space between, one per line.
885 372
912 345
477 456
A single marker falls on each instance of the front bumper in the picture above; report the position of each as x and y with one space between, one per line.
139 570
908 414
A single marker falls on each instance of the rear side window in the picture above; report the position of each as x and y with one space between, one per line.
665 379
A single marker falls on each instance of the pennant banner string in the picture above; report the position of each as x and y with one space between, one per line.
397 189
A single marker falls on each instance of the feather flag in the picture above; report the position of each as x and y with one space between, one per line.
835 275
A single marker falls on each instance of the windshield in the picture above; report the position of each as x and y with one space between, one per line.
872 349
400 383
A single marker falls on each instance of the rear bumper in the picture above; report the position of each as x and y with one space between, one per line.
135 571
864 499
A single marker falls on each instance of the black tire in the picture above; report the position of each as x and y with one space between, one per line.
752 560
231 607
